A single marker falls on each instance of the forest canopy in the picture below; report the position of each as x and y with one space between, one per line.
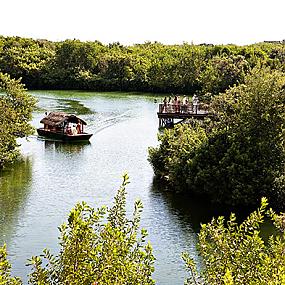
148 67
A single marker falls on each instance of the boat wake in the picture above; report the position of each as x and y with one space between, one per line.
100 122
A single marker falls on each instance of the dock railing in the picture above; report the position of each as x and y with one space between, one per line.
167 113
178 108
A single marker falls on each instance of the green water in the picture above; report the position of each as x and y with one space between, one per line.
38 192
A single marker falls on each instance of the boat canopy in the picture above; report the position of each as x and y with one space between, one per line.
57 118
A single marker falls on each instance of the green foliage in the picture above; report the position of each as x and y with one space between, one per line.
153 67
25 58
236 253
237 157
5 268
98 247
176 151
223 72
191 268
16 107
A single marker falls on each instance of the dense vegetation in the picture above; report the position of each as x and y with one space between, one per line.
5 269
237 156
16 107
153 67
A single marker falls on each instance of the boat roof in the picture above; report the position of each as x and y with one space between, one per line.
56 118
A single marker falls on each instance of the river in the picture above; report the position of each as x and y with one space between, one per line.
37 194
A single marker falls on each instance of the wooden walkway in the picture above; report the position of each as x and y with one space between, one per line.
170 112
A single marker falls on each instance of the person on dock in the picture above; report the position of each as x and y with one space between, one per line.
195 102
175 103
164 109
170 105
178 105
184 104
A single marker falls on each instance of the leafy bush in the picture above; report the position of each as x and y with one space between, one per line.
98 249
5 268
236 253
177 149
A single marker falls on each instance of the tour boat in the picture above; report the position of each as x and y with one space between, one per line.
63 127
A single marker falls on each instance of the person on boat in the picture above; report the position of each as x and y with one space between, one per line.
78 128
73 130
68 130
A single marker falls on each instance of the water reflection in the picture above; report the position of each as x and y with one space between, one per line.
171 229
190 210
65 147
194 211
175 223
14 191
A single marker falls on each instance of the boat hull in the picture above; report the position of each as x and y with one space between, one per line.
59 136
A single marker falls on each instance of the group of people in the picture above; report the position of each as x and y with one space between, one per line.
176 105
74 129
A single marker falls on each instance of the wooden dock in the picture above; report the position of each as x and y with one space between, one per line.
167 114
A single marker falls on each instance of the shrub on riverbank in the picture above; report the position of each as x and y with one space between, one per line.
5 270
237 254
16 107
238 156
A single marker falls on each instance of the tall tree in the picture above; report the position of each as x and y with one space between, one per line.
16 107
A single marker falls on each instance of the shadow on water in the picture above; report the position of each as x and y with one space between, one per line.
14 191
191 210
194 210
73 107
70 106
